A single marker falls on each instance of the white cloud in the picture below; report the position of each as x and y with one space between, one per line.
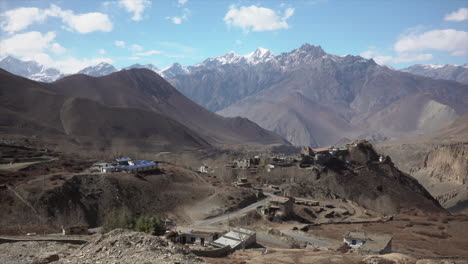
148 53
89 22
57 49
35 46
102 51
459 53
257 18
120 43
458 16
135 48
27 44
288 13
176 56
179 19
133 58
176 47
176 20
442 40
136 7
20 18
182 2
73 65
373 53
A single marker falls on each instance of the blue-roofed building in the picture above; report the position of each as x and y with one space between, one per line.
136 165
131 166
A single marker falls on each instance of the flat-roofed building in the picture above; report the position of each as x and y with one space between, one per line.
369 243
196 237
236 239
279 206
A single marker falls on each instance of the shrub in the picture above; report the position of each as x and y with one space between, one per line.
118 219
150 224
123 219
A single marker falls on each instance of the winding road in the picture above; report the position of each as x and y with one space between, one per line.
225 217
262 237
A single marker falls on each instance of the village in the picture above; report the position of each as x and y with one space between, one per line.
287 219
274 213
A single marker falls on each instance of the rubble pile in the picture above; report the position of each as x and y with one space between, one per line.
125 246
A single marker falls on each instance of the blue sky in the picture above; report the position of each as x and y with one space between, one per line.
72 34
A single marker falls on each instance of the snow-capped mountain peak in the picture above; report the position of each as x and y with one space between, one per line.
453 72
100 69
259 55
30 69
229 58
173 70
432 66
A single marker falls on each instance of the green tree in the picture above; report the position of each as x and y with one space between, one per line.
118 219
150 224
123 219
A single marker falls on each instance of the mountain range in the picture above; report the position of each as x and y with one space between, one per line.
314 98
310 97
457 73
37 72
135 108
30 69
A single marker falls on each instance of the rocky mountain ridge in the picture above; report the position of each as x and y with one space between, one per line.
457 73
352 96
30 69
131 109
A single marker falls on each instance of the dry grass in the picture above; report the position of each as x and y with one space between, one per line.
442 235
448 239
422 223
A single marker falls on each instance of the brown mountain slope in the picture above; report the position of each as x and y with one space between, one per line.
144 89
300 118
439 161
375 101
31 108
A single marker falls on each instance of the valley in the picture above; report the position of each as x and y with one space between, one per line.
233 132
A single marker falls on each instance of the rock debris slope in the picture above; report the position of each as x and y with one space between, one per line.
124 246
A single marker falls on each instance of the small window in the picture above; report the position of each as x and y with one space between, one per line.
353 242
192 239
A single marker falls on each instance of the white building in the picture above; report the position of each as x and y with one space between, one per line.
269 167
126 165
369 243
236 239
101 167
203 169
196 237
355 239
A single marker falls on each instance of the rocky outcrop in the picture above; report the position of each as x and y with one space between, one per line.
362 177
446 163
